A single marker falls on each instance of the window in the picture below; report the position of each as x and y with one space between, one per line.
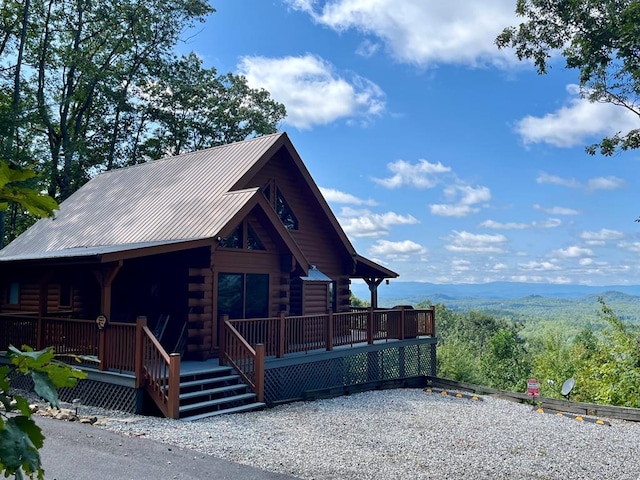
284 212
235 240
13 293
243 295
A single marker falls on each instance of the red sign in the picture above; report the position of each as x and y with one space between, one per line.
533 387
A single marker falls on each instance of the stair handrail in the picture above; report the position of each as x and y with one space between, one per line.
157 371
246 360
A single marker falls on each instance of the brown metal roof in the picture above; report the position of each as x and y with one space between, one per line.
179 198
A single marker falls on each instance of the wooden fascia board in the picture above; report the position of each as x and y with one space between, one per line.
261 202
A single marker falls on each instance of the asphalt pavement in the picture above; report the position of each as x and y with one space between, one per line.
75 451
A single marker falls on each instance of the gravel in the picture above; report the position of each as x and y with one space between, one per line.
402 434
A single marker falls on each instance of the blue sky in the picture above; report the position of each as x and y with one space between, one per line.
443 158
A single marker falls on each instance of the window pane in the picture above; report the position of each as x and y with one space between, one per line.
14 293
230 295
257 301
285 213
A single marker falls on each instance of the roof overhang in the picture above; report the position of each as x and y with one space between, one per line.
365 268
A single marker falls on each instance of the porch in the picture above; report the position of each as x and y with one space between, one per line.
278 359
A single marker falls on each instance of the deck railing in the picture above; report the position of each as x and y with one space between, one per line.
247 360
113 345
157 370
244 343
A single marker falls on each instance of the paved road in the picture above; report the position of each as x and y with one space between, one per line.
74 451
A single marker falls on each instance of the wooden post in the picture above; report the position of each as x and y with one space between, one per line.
401 323
329 339
281 344
370 325
141 322
42 312
259 372
433 321
222 343
173 402
105 278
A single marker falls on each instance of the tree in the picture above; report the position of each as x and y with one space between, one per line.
600 38
20 437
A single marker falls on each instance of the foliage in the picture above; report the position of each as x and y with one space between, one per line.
357 302
600 38
96 86
20 437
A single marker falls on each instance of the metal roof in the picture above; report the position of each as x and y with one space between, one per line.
176 199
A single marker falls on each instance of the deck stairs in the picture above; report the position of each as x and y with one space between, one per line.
214 390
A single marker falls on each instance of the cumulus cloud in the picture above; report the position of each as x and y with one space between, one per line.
492 224
538 266
475 243
397 250
464 200
556 210
555 180
312 91
422 32
575 122
336 196
364 223
548 223
606 183
573 251
601 237
422 174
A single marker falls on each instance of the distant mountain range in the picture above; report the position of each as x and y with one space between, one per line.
414 292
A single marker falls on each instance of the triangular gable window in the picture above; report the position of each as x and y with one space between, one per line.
235 240
284 212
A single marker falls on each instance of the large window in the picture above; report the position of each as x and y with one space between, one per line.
243 295
13 293
281 206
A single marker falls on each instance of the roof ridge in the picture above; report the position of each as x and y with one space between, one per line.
174 157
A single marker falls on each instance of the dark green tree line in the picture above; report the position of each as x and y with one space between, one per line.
90 86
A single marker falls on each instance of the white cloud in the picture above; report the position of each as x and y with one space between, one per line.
555 180
548 223
630 246
598 183
556 210
422 174
423 32
576 122
606 183
363 223
538 266
600 238
336 196
504 225
367 48
404 248
312 92
464 200
475 243
573 252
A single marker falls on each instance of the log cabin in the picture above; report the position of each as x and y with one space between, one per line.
209 282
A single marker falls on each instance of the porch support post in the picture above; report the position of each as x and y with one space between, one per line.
105 278
43 295
259 372
141 322
373 288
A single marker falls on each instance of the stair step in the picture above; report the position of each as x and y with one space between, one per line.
194 383
206 371
241 408
217 401
213 391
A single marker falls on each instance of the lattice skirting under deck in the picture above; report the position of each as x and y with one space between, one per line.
289 379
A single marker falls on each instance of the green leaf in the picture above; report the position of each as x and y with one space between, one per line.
45 388
19 443
22 404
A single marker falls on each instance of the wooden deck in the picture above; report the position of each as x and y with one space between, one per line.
255 348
